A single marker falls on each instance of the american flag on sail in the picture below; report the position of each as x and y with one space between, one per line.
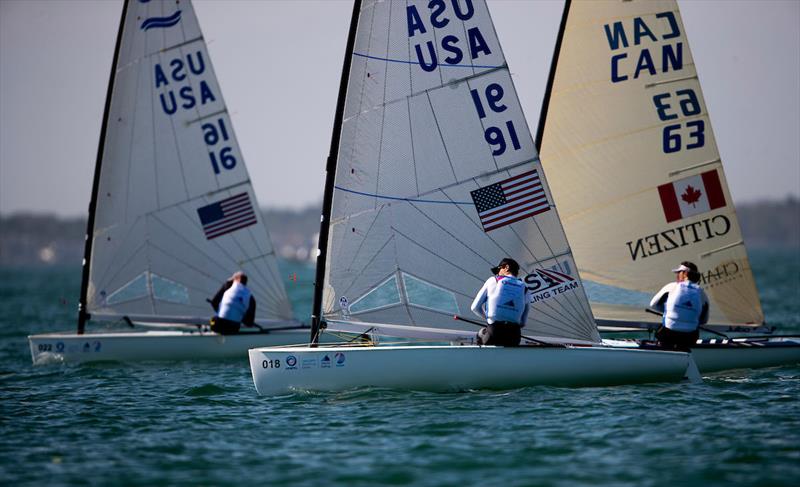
510 200
227 215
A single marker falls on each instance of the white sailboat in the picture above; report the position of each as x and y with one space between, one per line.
172 211
432 178
626 140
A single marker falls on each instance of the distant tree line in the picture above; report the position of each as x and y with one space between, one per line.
28 239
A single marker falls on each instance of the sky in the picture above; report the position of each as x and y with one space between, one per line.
279 62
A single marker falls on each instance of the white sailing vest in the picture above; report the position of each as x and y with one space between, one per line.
683 308
506 300
234 302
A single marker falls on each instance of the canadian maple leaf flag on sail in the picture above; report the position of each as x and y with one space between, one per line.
691 196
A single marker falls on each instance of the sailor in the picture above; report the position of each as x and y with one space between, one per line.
234 304
503 302
684 306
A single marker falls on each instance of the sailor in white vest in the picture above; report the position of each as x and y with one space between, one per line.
684 306
234 304
503 302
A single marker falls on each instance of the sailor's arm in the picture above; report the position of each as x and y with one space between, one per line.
660 298
704 313
524 318
480 299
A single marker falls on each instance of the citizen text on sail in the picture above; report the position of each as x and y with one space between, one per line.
677 237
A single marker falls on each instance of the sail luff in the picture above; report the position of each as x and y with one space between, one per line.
83 315
551 76
330 178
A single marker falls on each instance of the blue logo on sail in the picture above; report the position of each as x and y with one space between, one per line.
161 22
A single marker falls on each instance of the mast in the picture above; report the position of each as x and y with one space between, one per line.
83 316
330 179
551 78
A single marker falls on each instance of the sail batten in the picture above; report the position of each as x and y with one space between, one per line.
175 213
633 162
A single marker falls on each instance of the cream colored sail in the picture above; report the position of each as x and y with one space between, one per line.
438 178
634 166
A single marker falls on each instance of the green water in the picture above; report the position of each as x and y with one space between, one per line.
201 423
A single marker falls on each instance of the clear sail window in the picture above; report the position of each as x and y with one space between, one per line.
167 290
426 295
135 289
385 294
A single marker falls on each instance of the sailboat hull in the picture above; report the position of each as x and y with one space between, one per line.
454 368
154 345
717 355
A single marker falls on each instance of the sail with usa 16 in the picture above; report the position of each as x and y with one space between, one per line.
432 178
172 212
626 140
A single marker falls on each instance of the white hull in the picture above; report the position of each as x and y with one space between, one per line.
154 345
453 368
743 353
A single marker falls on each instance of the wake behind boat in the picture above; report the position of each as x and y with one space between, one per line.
432 178
172 212
626 139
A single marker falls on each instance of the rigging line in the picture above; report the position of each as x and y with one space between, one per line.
365 267
361 245
448 186
397 198
210 258
279 289
577 313
463 244
478 227
400 61
111 261
550 250
441 136
113 277
436 255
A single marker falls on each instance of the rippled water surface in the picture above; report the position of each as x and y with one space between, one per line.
201 423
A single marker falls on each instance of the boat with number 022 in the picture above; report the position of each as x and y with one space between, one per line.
626 140
172 212
432 178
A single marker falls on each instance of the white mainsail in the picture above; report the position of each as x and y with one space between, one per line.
437 178
175 213
627 144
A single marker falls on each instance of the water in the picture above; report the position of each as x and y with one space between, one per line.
201 423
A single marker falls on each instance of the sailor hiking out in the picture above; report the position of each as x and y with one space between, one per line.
503 302
234 304
684 306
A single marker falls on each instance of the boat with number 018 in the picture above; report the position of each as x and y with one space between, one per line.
172 211
432 178
626 140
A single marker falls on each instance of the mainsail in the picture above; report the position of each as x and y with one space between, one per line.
173 212
627 143
437 178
